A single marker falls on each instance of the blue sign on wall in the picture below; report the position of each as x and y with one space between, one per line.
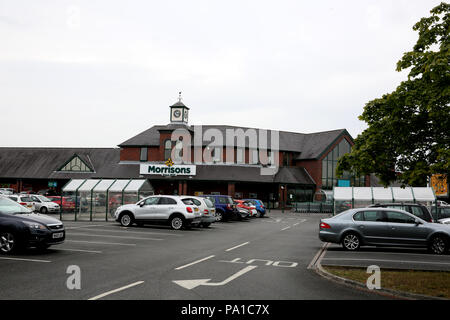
343 183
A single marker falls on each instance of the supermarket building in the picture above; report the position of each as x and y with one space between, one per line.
177 158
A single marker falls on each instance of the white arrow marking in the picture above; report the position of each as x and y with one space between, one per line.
191 284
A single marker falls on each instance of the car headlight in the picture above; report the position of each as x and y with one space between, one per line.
35 225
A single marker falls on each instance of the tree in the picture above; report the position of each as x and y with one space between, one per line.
407 138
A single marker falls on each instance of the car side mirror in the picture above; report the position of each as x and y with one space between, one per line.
141 204
417 222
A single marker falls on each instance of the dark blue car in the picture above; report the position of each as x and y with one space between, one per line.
259 206
225 207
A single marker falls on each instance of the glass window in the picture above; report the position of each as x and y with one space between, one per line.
398 217
417 211
359 216
240 155
223 200
167 149
375 216
164 200
144 154
76 164
150 201
209 203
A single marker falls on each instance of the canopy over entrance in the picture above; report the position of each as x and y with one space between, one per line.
356 197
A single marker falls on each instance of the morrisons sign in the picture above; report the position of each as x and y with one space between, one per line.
161 169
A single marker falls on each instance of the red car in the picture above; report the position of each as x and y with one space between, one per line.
68 203
248 206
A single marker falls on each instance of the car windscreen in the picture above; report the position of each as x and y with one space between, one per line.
208 202
44 199
8 206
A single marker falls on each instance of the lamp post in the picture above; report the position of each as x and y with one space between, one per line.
282 199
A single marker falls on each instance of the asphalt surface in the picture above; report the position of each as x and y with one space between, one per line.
262 258
389 258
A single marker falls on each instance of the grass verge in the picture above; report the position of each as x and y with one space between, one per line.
431 283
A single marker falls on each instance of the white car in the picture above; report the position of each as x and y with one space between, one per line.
445 221
159 209
206 207
44 205
24 200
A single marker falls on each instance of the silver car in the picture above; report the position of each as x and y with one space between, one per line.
159 209
384 227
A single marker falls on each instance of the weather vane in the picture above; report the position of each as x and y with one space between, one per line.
179 96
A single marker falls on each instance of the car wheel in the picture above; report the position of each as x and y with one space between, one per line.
176 222
126 220
44 210
206 224
351 242
219 216
8 242
438 245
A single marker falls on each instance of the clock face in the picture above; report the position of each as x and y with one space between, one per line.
177 113
185 115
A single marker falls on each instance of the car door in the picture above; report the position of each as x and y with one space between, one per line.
373 225
404 230
146 209
37 202
164 208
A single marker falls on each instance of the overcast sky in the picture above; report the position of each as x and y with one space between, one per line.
95 73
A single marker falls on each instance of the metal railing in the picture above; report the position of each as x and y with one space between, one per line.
312 207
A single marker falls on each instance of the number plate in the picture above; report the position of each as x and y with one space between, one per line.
58 235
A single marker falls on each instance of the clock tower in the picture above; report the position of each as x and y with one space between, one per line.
179 112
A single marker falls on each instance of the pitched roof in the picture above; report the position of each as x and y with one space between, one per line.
44 163
308 145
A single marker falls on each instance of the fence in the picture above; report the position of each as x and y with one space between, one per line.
313 207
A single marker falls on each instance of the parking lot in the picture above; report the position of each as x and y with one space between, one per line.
391 258
258 258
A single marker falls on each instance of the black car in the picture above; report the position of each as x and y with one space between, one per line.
416 209
21 228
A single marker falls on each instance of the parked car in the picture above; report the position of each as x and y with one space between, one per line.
252 212
44 205
260 207
445 221
159 209
225 207
416 209
242 213
7 191
442 203
20 228
440 213
206 207
47 192
24 200
376 226
68 203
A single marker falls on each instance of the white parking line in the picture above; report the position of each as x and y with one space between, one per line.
97 242
382 260
23 259
240 245
116 290
78 250
285 228
109 236
125 230
87 226
195 262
